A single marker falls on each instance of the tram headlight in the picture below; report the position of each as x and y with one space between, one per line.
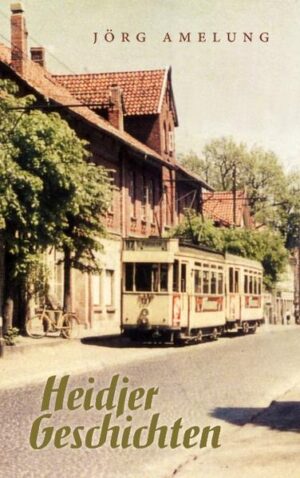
143 317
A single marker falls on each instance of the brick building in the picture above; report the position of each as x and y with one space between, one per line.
129 120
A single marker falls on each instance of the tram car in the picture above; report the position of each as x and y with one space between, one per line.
175 291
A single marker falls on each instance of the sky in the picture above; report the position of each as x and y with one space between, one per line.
247 90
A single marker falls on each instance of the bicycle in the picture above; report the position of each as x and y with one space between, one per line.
42 323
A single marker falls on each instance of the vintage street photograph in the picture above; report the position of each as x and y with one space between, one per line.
149 238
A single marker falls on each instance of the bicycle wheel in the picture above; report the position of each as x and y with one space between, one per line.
70 326
37 326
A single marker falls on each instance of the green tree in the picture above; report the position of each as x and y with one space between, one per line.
228 166
51 194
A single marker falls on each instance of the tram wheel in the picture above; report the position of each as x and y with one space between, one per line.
199 337
214 335
246 328
253 328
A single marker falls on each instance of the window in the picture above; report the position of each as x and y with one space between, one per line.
56 276
132 193
213 283
198 282
250 285
171 141
109 288
155 277
96 284
183 277
259 285
151 195
246 284
205 282
129 277
143 280
164 277
231 280
165 137
176 276
143 277
255 285
167 202
111 176
144 198
220 283
236 281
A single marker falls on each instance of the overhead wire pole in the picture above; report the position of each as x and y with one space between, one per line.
234 192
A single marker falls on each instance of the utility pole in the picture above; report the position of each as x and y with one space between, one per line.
1 337
234 192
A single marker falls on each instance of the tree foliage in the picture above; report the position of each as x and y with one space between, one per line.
51 194
264 246
274 196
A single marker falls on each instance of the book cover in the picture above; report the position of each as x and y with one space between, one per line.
102 406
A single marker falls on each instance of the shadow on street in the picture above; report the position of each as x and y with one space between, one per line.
121 342
283 416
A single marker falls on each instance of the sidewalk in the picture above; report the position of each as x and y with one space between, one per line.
34 360
267 447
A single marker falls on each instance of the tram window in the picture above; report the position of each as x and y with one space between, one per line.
205 282
176 276
250 285
246 284
198 281
236 281
259 285
155 277
143 277
231 280
220 283
164 277
213 283
128 277
183 277
255 285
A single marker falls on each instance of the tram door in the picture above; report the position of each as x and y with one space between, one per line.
180 295
234 297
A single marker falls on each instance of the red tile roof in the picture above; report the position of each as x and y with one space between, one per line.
218 206
142 90
44 84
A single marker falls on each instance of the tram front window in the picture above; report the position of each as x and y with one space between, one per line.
143 276
129 277
164 277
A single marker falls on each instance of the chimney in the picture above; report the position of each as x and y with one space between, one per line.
115 110
18 38
38 55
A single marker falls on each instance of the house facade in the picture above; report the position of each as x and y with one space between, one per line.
128 119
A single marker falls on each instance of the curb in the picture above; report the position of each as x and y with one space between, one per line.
9 350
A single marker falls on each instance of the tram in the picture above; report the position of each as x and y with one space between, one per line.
176 291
